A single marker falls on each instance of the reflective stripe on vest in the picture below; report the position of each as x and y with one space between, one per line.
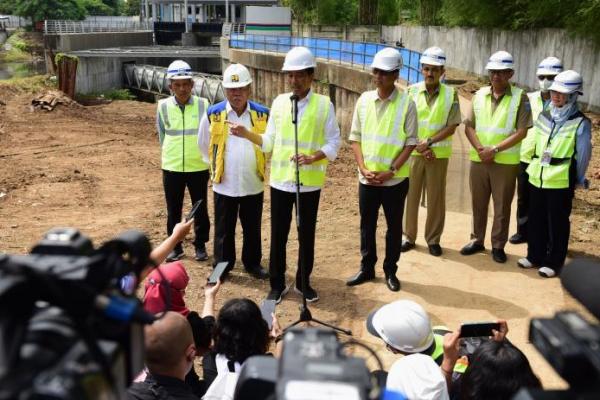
218 140
528 143
180 151
382 141
561 144
493 128
432 119
311 138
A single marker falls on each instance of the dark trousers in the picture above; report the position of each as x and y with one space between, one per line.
196 183
227 209
282 204
549 223
522 200
370 199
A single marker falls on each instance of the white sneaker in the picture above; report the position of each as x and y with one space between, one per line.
524 263
546 272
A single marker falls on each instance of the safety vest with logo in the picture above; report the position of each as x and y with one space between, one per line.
559 143
434 118
382 140
311 138
180 151
493 128
528 143
217 115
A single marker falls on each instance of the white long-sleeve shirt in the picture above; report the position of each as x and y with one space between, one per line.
333 141
240 177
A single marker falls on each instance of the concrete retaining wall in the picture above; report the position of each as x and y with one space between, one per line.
358 33
86 41
3 37
98 74
469 49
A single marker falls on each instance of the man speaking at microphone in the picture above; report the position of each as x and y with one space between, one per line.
318 143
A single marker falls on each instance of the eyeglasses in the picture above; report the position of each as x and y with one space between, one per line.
377 71
548 77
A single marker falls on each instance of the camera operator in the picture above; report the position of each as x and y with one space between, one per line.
170 353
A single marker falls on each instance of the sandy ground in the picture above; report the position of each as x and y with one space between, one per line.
97 168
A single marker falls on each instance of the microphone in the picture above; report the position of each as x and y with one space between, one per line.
294 98
581 278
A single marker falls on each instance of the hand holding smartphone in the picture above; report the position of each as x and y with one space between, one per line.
217 273
194 210
479 329
267 308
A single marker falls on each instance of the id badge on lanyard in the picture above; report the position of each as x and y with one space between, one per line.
546 158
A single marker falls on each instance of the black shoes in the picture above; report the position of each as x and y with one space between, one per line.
360 277
435 250
201 253
176 254
392 283
258 272
310 294
517 238
499 255
406 246
277 294
472 248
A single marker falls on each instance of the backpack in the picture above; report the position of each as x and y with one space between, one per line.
223 387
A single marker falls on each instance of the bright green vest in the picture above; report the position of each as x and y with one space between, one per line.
561 144
311 138
528 143
381 141
493 128
431 120
180 151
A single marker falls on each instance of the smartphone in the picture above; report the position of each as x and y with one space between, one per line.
193 211
478 329
217 273
267 308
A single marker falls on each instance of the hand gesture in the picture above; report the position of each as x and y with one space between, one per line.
303 159
237 129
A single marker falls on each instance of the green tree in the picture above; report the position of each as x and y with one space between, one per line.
96 7
7 6
131 7
367 12
39 10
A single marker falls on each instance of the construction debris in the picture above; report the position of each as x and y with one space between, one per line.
49 100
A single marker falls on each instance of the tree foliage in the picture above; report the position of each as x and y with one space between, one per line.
39 10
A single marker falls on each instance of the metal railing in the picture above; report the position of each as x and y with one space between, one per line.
229 29
13 21
153 79
61 27
359 54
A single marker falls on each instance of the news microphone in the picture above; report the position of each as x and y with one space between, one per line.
294 98
581 278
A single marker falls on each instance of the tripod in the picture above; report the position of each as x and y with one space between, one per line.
305 314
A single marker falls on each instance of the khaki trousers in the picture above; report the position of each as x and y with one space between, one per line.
497 181
432 174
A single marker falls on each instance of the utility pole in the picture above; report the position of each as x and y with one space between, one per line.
185 13
226 11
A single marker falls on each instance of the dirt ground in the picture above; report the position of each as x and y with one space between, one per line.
97 168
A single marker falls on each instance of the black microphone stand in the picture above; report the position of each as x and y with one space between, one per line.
305 314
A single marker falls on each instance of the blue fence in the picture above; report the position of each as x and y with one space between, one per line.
342 51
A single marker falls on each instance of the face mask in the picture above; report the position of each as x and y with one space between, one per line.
545 85
561 114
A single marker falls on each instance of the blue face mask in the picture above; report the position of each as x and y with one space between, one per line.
561 114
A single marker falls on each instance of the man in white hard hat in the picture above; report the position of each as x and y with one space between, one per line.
495 124
177 121
539 100
237 168
561 155
318 143
382 136
439 115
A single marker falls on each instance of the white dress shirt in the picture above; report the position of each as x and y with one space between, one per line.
240 177
331 147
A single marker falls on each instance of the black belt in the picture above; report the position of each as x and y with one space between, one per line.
556 161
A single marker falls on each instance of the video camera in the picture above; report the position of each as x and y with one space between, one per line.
568 341
313 366
70 324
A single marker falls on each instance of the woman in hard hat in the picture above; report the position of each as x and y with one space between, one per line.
560 160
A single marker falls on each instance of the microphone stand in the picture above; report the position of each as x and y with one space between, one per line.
305 314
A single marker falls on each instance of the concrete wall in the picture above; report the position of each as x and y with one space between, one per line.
469 49
86 41
3 37
99 74
358 33
342 84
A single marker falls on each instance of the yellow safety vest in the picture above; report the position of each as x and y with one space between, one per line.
493 128
311 138
179 150
431 120
217 115
382 141
528 143
561 146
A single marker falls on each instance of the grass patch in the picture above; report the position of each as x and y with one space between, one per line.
31 84
114 94
18 48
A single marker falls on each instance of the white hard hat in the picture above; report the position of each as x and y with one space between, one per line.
403 325
298 58
500 60
567 82
179 69
433 56
549 66
387 59
236 76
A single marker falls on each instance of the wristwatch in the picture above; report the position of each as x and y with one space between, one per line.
496 149
429 142
393 169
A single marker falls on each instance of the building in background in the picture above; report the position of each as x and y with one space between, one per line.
201 10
